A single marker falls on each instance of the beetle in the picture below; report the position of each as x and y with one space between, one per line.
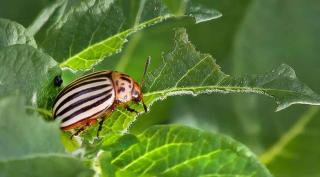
96 95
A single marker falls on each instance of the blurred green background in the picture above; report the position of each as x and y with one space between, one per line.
252 36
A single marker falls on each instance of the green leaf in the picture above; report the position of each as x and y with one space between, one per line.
25 69
92 30
25 135
182 151
30 146
49 165
296 153
186 71
95 53
12 33
213 112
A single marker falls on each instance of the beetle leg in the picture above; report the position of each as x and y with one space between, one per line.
103 116
81 129
78 132
100 125
130 109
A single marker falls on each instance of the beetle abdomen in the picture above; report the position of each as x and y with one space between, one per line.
85 98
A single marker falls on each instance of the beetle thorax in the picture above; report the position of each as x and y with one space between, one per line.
123 85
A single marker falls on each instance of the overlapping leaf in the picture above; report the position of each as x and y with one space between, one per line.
181 151
12 33
24 135
29 71
92 29
50 165
30 146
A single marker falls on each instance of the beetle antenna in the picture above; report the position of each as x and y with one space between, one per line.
144 106
146 66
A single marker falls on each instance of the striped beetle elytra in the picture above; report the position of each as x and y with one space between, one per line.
96 95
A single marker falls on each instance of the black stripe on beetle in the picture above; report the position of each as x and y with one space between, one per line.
77 94
82 101
98 75
82 84
126 79
94 75
86 108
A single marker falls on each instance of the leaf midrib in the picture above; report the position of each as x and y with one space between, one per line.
149 152
223 88
118 35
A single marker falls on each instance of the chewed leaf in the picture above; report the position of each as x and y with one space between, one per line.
181 151
95 53
12 33
186 71
92 30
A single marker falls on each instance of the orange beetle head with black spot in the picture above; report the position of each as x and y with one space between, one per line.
136 92
127 89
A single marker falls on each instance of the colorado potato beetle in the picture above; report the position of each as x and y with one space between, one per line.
96 95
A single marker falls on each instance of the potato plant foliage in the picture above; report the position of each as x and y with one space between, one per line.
89 35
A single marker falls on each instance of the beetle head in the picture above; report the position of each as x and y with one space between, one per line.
137 96
136 92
